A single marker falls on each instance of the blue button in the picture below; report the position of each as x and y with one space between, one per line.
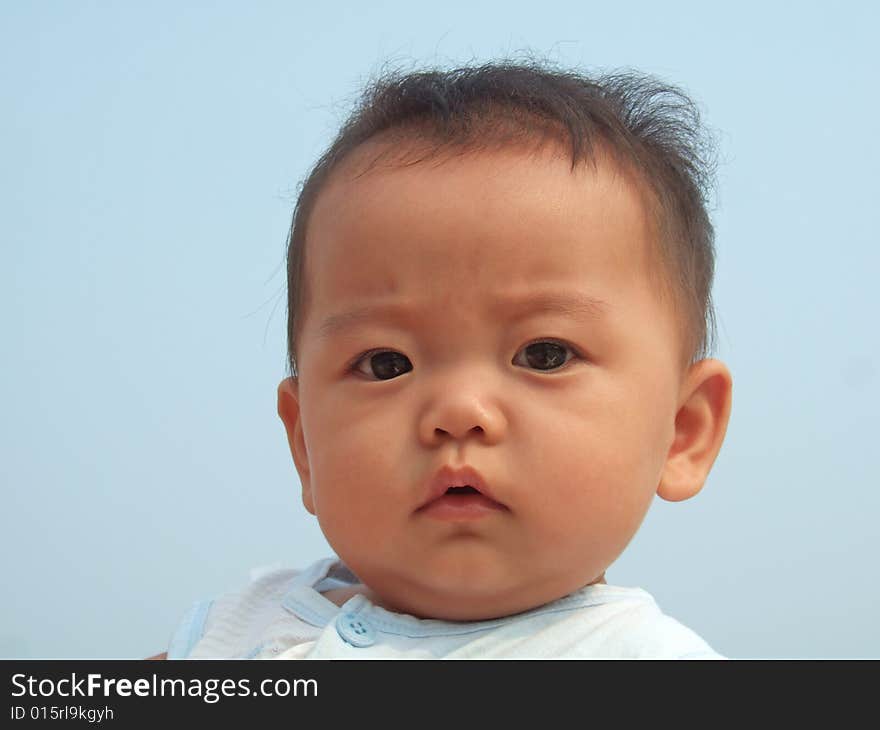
355 630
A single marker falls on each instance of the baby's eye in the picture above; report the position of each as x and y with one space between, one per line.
546 354
383 364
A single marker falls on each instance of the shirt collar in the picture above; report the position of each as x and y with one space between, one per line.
305 601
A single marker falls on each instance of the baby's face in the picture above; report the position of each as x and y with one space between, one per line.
504 320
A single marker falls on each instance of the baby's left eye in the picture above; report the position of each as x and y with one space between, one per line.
546 354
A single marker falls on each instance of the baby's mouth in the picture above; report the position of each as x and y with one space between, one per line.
459 492
461 504
462 490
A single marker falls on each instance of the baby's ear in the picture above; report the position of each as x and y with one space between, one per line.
288 410
700 425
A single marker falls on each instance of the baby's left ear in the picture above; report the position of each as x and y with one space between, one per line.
700 425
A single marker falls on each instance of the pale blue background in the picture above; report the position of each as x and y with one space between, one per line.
150 155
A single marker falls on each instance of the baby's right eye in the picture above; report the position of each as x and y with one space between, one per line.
384 364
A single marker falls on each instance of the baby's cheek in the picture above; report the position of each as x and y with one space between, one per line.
350 520
596 500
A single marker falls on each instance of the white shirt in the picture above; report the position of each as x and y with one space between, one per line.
282 614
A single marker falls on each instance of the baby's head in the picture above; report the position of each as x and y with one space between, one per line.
505 269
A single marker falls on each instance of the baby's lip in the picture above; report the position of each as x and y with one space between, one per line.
450 476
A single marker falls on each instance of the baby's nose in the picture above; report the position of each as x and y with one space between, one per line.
460 416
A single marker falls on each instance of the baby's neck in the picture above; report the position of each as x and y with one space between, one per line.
341 595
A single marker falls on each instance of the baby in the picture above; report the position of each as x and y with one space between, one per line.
499 315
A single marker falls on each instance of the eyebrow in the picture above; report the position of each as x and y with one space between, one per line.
573 304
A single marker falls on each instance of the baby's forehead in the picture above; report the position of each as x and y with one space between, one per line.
463 223
523 184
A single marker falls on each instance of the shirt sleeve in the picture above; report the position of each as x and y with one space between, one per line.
189 631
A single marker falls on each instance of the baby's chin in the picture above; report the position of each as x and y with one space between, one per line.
427 602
